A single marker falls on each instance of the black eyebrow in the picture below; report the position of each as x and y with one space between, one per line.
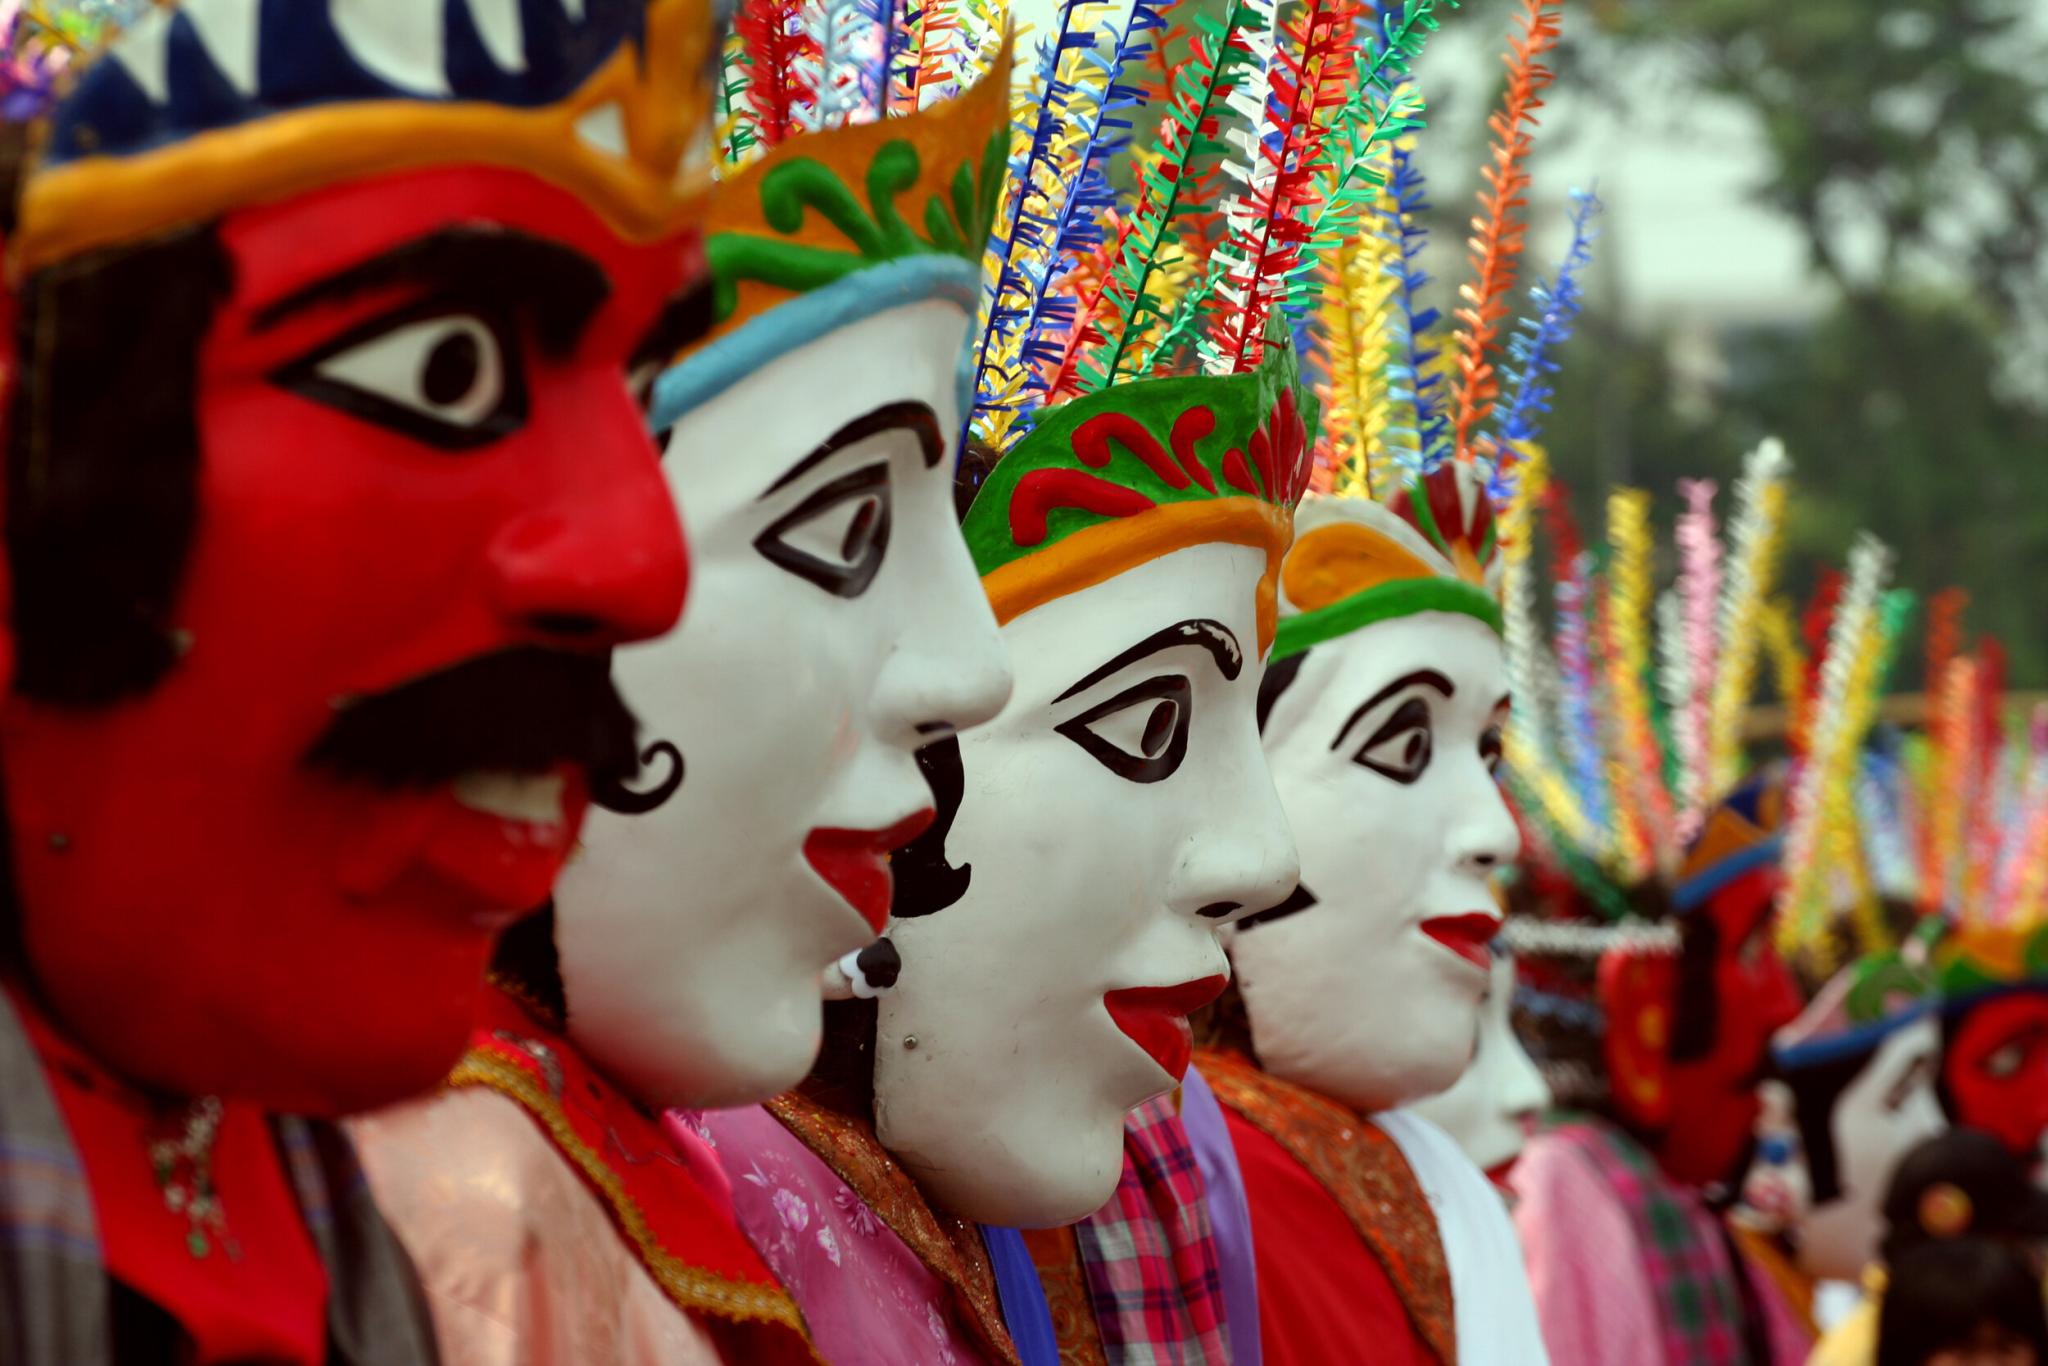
684 319
1427 676
1212 636
917 418
557 287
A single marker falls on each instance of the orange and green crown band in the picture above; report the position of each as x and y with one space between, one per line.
1384 602
955 223
824 207
1123 451
1968 964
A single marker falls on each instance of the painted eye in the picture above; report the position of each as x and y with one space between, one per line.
1915 1078
452 380
1400 748
1490 749
837 537
1141 734
2003 1064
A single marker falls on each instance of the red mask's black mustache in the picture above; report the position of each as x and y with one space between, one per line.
526 710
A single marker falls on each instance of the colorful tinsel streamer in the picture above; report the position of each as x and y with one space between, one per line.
781 52
1699 596
1756 535
1357 300
1499 230
1822 807
1099 115
1129 302
1415 380
1643 818
1539 334
1024 239
1314 69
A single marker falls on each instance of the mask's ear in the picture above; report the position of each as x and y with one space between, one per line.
1637 990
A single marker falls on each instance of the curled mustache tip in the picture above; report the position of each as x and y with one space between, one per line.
611 792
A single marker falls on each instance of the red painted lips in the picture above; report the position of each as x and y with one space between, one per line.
1466 935
855 863
1156 1018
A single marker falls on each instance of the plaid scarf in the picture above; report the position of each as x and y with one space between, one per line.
1150 1256
1699 1304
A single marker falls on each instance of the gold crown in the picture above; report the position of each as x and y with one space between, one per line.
619 142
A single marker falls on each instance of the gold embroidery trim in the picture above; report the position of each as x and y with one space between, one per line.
893 1195
1056 1254
690 1287
1364 1171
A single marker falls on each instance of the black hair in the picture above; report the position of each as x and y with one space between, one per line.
977 460
103 462
1943 1296
1279 678
1816 1090
1696 1011
528 966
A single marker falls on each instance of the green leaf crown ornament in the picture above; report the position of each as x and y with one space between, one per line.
827 205
1146 444
1111 480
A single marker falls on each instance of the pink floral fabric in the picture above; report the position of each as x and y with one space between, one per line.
868 1299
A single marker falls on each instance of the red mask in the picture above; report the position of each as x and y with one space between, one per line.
1714 1105
1995 1068
403 470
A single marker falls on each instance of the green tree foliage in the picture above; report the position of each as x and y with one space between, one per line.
1907 142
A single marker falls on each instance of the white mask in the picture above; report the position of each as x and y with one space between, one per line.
1490 1108
835 625
1888 1107
1001 1077
1383 751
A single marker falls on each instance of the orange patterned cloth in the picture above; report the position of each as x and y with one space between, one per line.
949 1246
1363 1172
1057 1256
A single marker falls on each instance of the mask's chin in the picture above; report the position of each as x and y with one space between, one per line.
742 1023
1358 1072
1045 1182
704 1060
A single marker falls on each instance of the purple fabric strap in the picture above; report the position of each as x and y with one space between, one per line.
1230 1215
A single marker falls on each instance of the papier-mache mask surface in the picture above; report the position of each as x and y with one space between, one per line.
300 722
1958 827
836 623
1383 711
1690 1073
1862 1063
1383 716
1494 1104
1118 812
1994 1022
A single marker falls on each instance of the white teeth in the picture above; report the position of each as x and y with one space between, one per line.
534 798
